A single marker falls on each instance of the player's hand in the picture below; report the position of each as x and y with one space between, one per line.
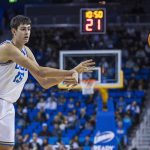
72 81
85 66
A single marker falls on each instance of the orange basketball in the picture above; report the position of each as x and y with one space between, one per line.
149 39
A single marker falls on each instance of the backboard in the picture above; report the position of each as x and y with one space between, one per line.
107 71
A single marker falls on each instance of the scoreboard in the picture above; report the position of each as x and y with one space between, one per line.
92 20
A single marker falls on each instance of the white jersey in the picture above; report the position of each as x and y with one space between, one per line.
12 79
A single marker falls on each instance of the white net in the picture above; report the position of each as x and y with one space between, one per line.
88 86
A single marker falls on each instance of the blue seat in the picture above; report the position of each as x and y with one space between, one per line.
81 139
86 148
127 71
65 140
139 93
70 133
144 71
52 140
85 132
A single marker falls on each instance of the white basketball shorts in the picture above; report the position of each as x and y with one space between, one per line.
7 123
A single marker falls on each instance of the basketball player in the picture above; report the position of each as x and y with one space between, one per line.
15 61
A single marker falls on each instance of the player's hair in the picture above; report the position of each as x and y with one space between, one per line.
19 19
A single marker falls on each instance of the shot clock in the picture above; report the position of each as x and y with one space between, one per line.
92 20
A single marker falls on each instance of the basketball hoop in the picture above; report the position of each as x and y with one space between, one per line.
88 86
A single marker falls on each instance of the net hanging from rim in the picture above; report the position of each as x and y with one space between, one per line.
88 86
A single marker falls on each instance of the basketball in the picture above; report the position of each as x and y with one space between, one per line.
149 39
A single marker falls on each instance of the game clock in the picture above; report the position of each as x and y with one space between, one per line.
92 20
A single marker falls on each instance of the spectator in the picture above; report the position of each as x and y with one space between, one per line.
48 147
121 132
41 104
86 142
71 119
75 143
45 132
121 103
18 139
140 54
35 142
129 63
31 103
127 121
29 86
63 125
70 104
42 116
135 111
45 143
56 131
51 103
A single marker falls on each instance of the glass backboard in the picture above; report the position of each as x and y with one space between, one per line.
107 71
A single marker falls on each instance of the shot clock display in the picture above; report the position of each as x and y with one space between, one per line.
92 20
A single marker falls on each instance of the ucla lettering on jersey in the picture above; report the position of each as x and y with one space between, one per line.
12 79
21 70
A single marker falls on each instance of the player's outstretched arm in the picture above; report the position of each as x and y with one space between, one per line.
46 83
49 82
49 78
12 53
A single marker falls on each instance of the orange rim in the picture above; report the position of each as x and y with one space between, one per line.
89 81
